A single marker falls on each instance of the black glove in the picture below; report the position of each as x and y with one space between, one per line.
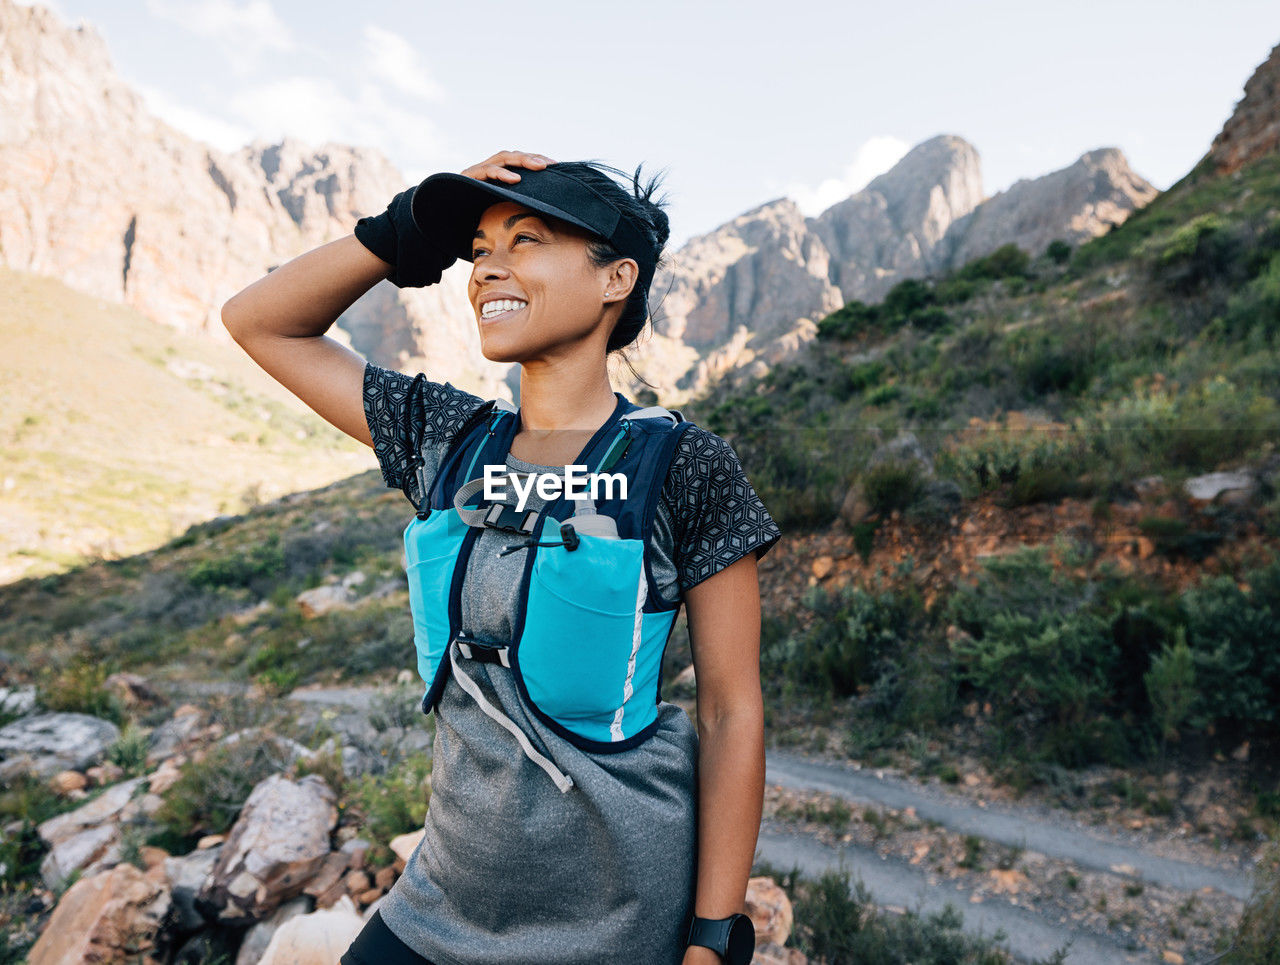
394 238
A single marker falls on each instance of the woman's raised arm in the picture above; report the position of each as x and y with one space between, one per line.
281 320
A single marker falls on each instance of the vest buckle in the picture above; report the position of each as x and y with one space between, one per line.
481 652
505 517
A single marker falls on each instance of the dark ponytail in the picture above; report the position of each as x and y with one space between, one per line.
645 211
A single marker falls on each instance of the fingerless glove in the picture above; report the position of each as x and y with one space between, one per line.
394 238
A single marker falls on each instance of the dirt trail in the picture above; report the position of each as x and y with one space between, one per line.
1053 836
896 884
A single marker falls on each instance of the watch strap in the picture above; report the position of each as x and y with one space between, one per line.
732 938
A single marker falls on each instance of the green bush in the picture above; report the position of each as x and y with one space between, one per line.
1257 305
1036 648
893 485
849 632
78 688
254 568
836 920
392 803
1171 686
1257 936
1007 261
1231 632
207 797
1058 251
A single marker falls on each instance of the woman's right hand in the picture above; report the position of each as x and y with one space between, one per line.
493 169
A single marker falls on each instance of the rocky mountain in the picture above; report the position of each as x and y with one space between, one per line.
747 293
1074 203
96 191
1254 126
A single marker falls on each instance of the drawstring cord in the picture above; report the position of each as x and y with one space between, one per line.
562 780
568 539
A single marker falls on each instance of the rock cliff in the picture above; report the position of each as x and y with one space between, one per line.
1253 129
96 191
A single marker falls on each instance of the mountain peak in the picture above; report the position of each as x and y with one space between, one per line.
1253 129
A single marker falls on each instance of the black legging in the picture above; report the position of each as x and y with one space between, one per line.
377 945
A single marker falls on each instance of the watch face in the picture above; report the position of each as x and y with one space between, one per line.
741 946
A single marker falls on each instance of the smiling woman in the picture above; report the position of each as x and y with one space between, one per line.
575 816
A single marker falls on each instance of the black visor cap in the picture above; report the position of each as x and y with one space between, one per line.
447 208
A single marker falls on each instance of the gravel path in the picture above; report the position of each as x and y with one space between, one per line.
1028 935
1090 848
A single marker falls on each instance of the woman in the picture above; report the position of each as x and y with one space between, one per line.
562 828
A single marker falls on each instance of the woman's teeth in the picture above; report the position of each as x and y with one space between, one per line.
500 307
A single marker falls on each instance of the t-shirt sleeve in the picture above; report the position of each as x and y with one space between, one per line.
719 517
436 414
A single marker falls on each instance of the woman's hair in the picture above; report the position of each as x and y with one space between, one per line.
644 211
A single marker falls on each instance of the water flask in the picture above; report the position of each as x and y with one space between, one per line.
586 520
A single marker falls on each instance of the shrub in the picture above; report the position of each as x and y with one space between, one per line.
850 631
1058 251
253 568
393 803
1257 304
1007 261
1171 686
893 484
207 797
1037 650
986 455
838 921
1231 632
1257 937
78 688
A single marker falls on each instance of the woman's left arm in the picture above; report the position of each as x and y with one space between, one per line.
724 632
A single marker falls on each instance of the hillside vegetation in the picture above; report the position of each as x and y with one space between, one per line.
117 433
1082 386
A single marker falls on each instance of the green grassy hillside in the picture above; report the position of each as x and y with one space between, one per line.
1152 349
117 433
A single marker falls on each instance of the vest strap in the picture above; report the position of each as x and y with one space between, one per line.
562 780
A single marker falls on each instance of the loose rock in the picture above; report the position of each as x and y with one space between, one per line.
279 841
108 917
45 744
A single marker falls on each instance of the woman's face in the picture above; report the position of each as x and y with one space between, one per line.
540 263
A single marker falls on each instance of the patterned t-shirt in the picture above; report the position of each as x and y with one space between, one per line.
708 514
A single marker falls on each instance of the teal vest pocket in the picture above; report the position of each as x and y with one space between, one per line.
583 633
431 549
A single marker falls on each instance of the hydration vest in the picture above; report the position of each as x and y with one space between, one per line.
591 626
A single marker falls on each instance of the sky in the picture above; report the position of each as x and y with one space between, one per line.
738 103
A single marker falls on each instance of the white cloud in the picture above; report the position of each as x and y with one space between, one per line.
244 31
392 59
222 134
874 157
317 110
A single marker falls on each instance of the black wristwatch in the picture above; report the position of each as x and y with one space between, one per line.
732 938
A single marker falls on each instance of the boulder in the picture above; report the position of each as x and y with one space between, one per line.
404 845
88 838
770 911
109 917
279 841
45 744
258 938
171 736
319 938
133 690
188 875
1209 486
17 700
324 599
